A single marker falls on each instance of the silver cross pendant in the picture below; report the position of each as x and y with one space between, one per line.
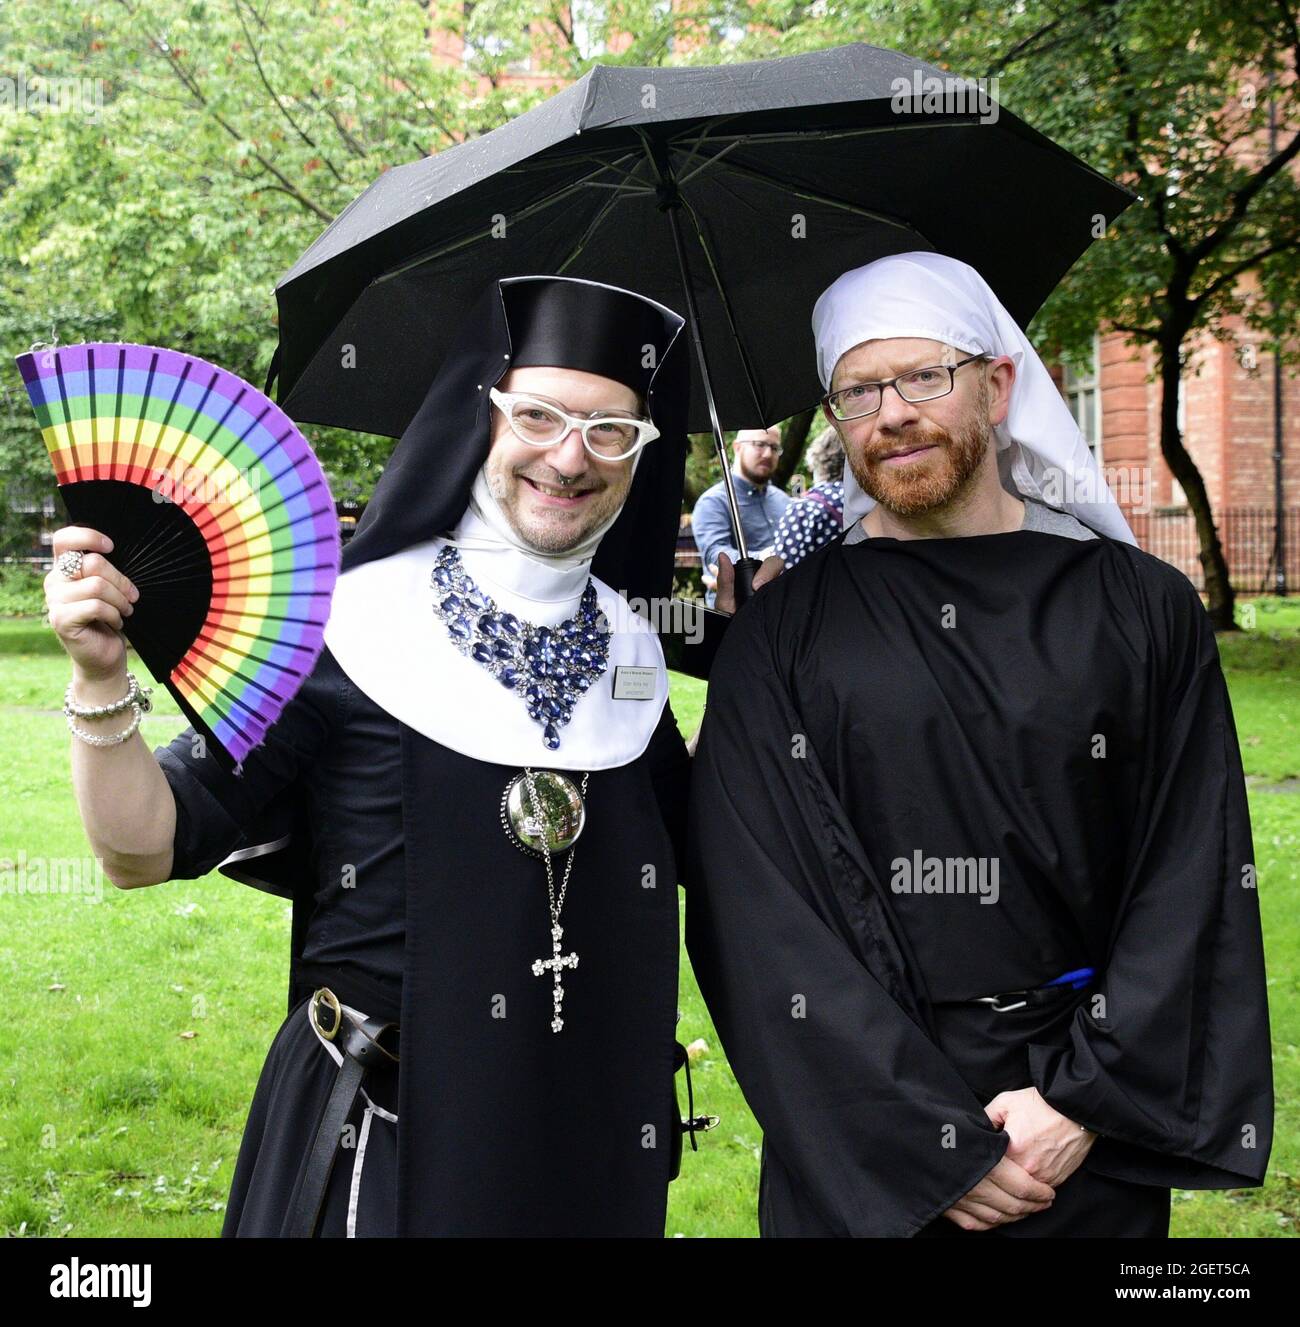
553 965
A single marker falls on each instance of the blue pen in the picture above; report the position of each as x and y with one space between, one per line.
1077 979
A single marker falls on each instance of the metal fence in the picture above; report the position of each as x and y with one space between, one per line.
1246 532
1247 537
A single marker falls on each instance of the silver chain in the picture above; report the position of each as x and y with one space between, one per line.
558 960
545 825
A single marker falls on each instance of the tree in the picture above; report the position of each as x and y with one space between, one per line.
213 143
217 138
1172 100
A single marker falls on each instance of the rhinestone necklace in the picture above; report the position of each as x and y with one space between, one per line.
550 667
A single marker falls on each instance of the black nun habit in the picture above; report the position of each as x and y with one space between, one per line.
376 805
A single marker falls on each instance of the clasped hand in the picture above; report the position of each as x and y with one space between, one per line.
1046 1148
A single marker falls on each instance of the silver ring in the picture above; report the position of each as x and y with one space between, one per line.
69 564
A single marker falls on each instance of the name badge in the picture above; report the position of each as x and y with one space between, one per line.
634 683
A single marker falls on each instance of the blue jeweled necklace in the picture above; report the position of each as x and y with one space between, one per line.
551 667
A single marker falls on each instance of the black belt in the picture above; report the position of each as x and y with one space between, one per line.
359 1040
1068 983
1006 1001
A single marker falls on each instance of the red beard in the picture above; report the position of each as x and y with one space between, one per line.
923 484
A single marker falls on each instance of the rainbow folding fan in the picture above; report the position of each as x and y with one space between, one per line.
218 512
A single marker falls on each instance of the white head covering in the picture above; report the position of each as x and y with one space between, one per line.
1041 453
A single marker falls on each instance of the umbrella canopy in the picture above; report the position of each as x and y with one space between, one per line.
764 181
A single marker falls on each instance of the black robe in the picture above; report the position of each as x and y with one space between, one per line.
1056 706
415 906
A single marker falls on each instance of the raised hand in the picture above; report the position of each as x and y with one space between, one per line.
87 613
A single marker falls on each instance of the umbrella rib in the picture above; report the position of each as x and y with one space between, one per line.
618 188
629 182
824 135
549 162
754 394
815 197
704 165
790 136
736 141
429 255
699 140
595 221
794 136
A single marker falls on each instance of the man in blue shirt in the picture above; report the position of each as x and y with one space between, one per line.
761 505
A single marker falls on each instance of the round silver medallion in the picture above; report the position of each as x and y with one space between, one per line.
561 806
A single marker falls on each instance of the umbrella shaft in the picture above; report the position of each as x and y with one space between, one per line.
693 319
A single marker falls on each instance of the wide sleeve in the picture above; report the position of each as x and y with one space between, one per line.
1170 1062
867 1125
214 807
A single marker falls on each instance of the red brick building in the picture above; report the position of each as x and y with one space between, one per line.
1226 412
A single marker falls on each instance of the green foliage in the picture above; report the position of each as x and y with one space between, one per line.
210 144
221 138
217 142
1172 100
21 592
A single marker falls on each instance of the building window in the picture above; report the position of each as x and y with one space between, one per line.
1083 394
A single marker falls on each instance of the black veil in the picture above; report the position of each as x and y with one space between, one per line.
563 321
425 487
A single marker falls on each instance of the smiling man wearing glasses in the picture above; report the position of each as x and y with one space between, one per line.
558 472
972 896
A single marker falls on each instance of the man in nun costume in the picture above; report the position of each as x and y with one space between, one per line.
972 895
487 784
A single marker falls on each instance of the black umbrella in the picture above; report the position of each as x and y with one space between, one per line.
739 191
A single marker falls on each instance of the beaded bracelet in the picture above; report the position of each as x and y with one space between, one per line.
117 738
135 695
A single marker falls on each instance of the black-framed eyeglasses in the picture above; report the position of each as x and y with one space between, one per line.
914 386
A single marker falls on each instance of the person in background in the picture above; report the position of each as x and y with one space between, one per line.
761 505
818 516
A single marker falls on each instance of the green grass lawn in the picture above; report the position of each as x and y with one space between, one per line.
138 1021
